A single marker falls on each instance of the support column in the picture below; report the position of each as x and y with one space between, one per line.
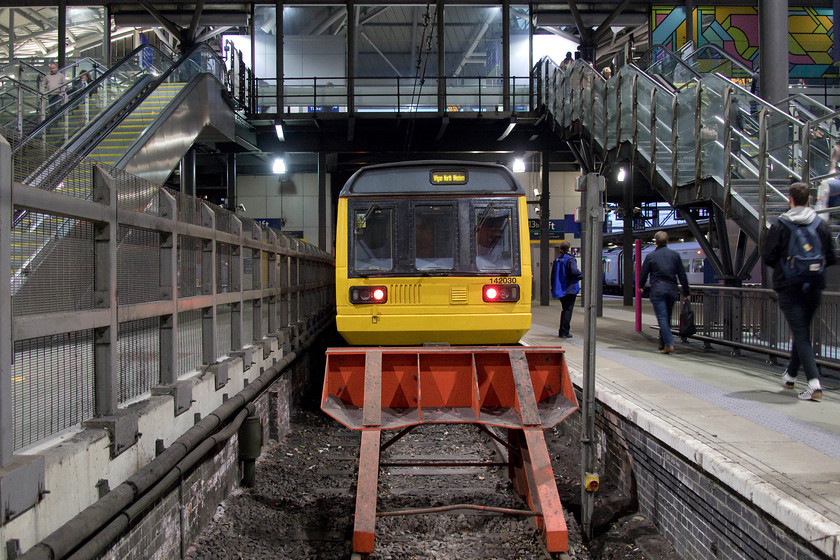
62 33
773 54
506 56
441 44
106 39
545 267
351 57
6 356
278 45
689 21
188 173
627 203
322 200
12 35
230 198
208 287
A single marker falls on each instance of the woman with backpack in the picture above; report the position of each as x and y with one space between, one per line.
565 285
798 248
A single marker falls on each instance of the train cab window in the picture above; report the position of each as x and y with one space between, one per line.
434 238
372 239
493 238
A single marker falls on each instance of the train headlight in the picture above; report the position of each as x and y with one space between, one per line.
368 294
496 293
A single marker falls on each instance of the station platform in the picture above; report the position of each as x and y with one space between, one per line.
728 415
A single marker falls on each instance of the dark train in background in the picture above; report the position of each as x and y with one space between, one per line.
690 252
432 252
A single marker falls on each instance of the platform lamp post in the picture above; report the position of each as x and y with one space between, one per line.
591 213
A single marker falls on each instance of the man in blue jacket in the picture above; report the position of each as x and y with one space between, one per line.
665 268
565 284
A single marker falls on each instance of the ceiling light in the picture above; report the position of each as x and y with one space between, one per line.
518 165
278 128
622 174
279 166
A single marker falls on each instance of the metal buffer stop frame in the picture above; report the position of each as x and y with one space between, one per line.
523 389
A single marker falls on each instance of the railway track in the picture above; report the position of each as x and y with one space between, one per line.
303 503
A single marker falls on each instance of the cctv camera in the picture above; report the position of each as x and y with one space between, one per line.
240 208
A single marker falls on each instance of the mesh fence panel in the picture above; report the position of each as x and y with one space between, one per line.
52 255
247 323
223 318
247 269
138 266
189 266
139 356
52 385
189 341
223 268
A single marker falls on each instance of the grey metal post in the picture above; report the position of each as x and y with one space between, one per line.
236 274
168 327
272 282
278 59
594 215
506 55
689 21
351 57
545 269
12 35
256 285
627 203
773 54
188 172
6 355
322 200
106 359
62 33
106 39
230 197
208 287
441 44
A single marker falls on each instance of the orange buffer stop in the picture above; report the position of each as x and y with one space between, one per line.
524 389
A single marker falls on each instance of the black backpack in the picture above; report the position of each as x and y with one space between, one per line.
805 261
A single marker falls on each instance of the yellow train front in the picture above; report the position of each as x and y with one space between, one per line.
432 252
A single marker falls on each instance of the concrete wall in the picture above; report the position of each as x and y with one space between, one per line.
699 513
293 198
78 463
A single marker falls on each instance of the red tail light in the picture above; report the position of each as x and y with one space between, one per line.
500 293
368 294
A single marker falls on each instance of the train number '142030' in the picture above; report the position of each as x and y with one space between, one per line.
503 280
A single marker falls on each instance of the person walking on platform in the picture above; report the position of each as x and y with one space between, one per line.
800 292
565 284
665 269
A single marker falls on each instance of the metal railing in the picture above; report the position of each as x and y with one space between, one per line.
392 95
139 286
748 318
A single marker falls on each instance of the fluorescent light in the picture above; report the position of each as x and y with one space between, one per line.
279 166
518 165
279 129
622 174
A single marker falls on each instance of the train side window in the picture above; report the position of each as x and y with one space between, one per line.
686 265
434 238
493 238
697 265
372 239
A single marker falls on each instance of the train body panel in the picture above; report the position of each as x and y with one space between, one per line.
690 252
418 246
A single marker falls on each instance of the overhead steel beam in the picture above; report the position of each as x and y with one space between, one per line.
478 36
173 28
380 53
191 31
582 29
604 28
